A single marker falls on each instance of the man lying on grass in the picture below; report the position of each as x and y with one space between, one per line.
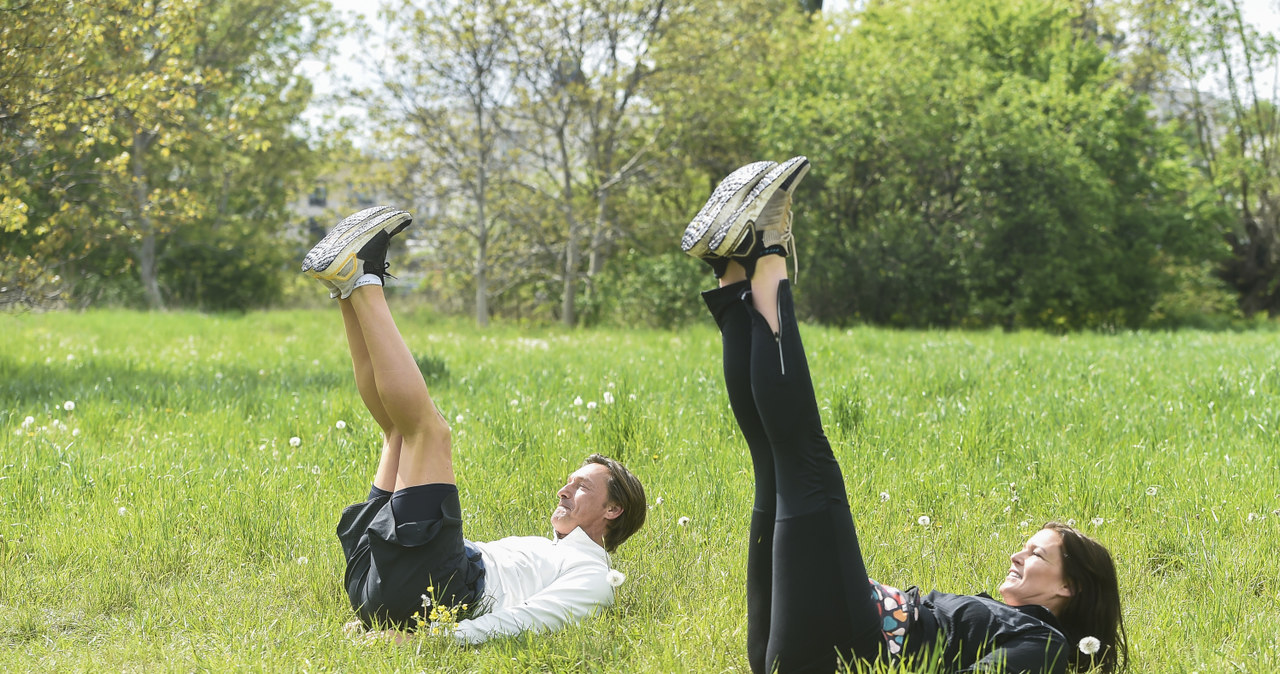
405 541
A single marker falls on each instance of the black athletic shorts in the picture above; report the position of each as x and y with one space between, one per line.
391 564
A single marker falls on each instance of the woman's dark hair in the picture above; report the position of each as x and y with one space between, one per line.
626 491
1093 609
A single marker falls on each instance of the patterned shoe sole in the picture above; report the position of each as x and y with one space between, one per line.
726 198
352 233
785 177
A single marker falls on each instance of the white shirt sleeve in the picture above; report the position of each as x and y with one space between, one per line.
581 592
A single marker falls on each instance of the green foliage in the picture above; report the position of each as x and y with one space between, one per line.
648 291
974 165
133 125
180 525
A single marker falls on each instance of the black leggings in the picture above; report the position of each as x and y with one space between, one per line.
808 598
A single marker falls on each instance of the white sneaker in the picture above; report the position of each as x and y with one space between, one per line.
355 247
709 232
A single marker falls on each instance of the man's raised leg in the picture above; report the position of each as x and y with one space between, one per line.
425 450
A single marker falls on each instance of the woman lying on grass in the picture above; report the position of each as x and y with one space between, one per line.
810 604
407 561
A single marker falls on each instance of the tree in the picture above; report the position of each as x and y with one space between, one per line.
1233 121
447 85
142 108
981 168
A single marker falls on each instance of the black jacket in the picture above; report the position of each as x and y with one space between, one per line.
979 634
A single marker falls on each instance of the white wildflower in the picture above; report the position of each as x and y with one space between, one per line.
340 424
658 502
591 405
295 441
1097 521
28 421
631 397
683 521
616 577
71 357
608 397
1255 517
924 521
884 496
68 406
1090 645
1151 491
75 432
457 419
122 511
577 402
1024 524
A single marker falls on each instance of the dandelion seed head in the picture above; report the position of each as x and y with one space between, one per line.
577 402
340 424
218 376
1071 522
122 511
683 521
631 396
69 405
1151 491
28 421
924 521
301 560
295 441
608 397
75 432
1097 521
1090 645
658 501
1024 524
457 419
591 405
884 496
616 577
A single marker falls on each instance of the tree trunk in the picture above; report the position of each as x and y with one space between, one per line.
599 237
482 284
145 249
571 255
571 258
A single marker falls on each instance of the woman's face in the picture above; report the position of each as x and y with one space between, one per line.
1035 576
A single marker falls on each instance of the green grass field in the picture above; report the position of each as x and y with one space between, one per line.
166 522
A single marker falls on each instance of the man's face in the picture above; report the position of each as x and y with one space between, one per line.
1035 575
584 502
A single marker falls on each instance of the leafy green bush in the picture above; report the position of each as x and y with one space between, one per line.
656 291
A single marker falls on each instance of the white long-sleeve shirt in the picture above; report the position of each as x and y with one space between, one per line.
539 584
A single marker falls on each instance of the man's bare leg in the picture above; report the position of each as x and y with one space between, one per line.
425 451
389 463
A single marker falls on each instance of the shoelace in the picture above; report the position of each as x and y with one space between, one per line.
788 242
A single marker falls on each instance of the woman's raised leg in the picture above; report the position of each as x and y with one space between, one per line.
729 306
